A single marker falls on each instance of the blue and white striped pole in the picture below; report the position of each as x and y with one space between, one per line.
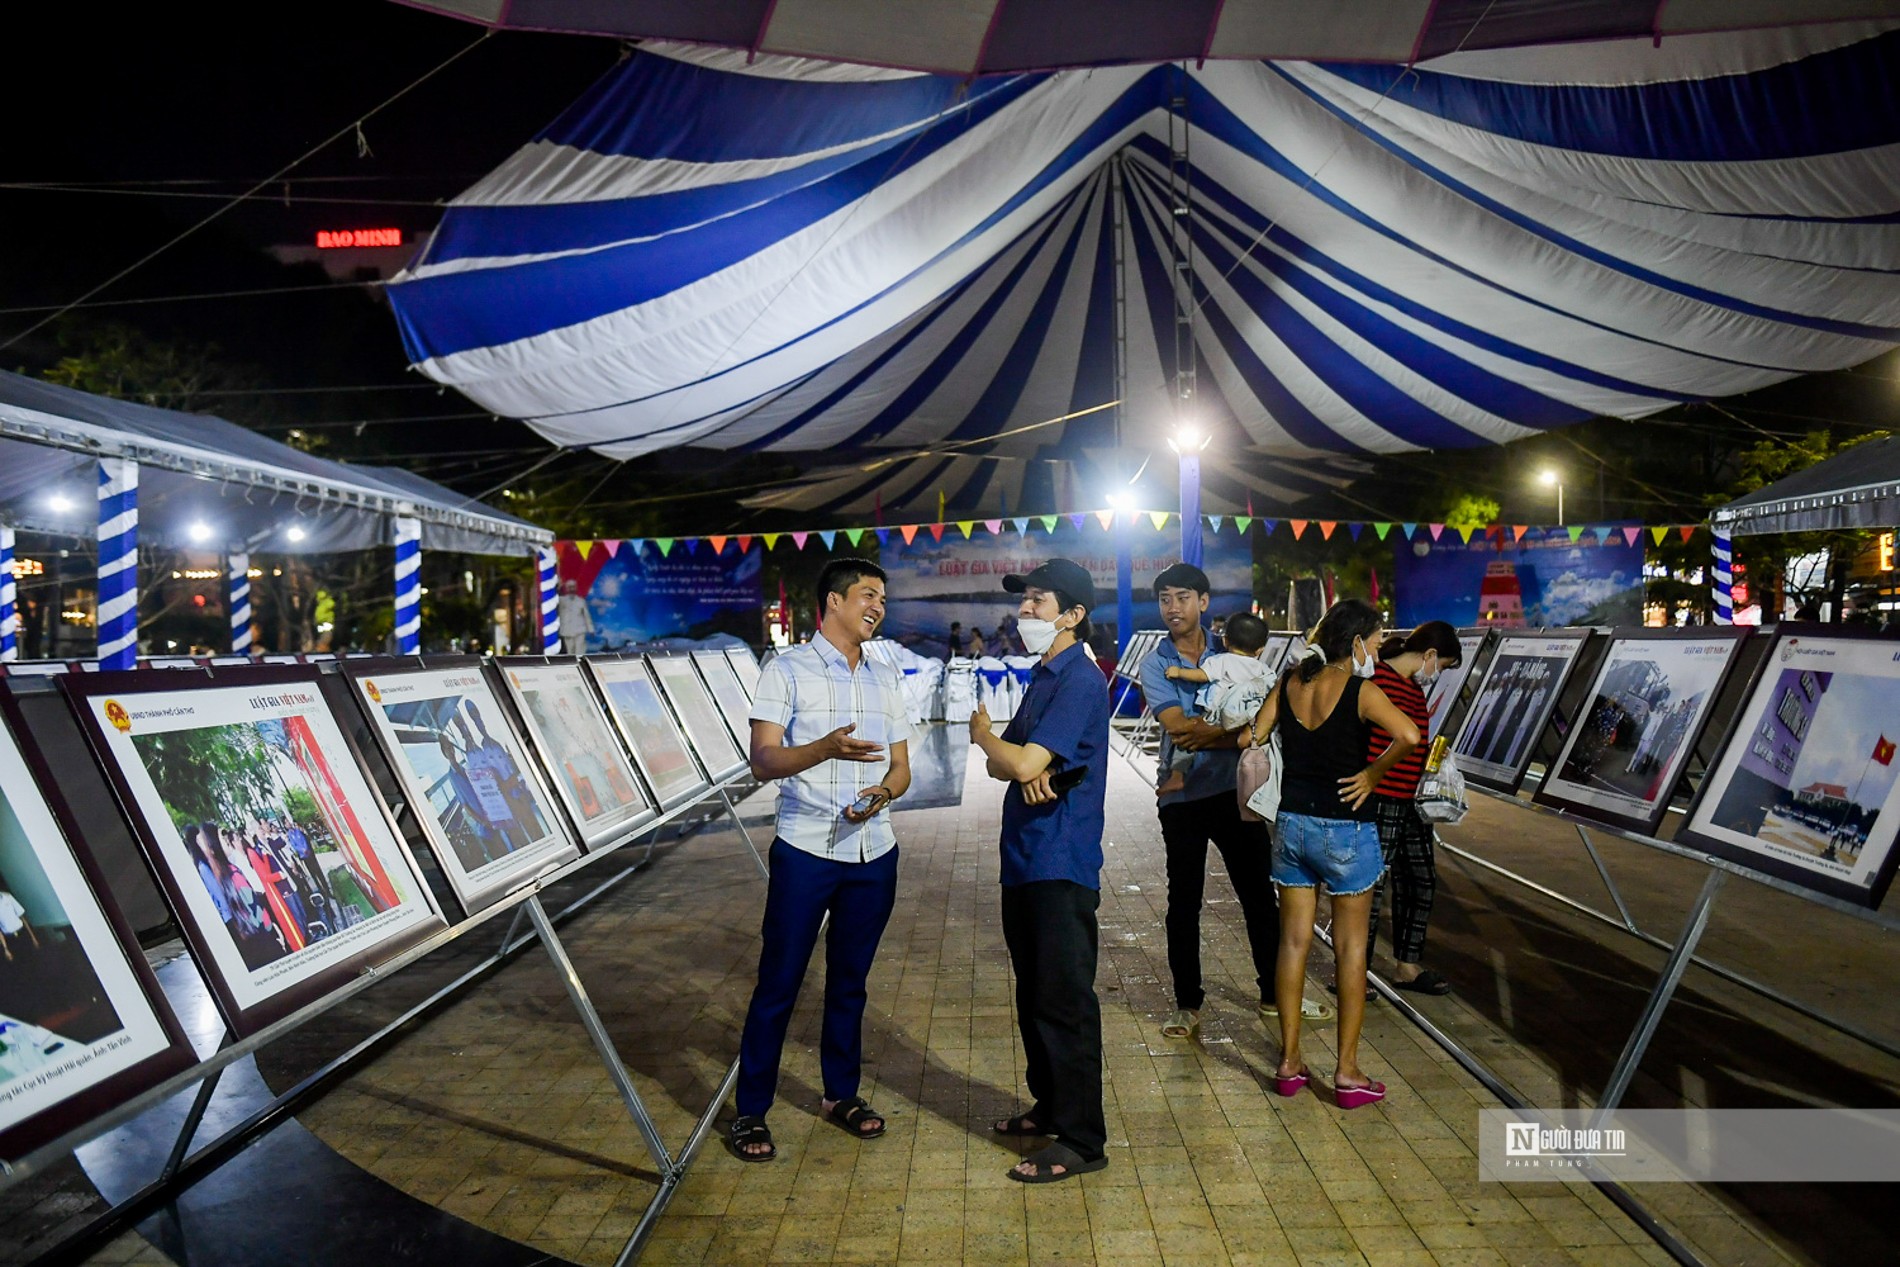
237 573
9 599
1723 590
547 564
408 586
118 614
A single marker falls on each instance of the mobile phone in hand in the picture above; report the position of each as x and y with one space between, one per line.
863 804
1063 780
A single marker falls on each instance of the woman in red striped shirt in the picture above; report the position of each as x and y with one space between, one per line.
1406 669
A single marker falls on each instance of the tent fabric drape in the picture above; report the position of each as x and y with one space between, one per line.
798 256
1859 488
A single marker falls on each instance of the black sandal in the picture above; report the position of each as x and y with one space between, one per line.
1022 1124
745 1132
1430 981
849 1113
1058 1154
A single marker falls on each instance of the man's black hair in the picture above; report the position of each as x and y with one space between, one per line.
840 575
1245 631
1085 628
1182 576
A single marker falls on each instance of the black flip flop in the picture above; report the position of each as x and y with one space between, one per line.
1022 1124
1072 1163
1430 981
846 1114
744 1131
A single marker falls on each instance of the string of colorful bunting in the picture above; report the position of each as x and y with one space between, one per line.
1498 534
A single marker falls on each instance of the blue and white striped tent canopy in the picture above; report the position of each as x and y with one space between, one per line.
805 256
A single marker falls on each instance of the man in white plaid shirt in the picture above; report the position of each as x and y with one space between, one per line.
830 725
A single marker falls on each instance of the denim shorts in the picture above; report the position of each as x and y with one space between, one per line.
1341 853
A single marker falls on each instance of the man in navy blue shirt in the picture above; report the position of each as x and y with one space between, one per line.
1052 864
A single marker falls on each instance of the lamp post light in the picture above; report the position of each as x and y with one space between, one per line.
1188 443
1549 477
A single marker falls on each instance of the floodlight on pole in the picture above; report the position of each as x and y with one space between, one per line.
1188 443
295 533
59 503
1550 477
199 532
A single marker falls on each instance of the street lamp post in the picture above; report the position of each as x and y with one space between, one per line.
1550 478
1188 443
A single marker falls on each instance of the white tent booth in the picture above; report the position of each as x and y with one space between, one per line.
74 463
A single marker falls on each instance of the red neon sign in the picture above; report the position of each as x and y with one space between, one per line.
332 239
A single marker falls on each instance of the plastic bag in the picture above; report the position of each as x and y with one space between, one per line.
1257 781
1441 793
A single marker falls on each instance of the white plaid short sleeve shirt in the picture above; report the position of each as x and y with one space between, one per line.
812 690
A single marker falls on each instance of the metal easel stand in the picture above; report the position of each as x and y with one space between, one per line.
732 811
1627 922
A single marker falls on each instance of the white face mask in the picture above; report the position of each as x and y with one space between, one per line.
1425 679
1037 635
1369 666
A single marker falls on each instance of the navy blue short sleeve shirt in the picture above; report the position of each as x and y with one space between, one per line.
1064 710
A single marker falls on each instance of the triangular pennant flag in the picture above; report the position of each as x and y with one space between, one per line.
1518 531
995 526
1298 526
745 543
1268 525
1630 535
1382 529
1687 531
1021 524
1243 522
828 536
1575 531
771 539
936 532
1437 530
966 526
583 548
800 538
692 545
1216 521
1409 530
1049 522
1326 527
1159 518
910 533
854 535
636 544
1106 518
883 536
718 544
1657 534
1355 529
665 544
1077 519
611 547
1468 533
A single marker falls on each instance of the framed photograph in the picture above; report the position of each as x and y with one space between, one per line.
1514 702
1443 695
745 666
565 724
1651 697
1807 786
475 793
699 716
658 745
1273 655
285 870
735 705
83 1024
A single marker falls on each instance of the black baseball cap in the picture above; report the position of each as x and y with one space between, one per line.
1065 576
1182 576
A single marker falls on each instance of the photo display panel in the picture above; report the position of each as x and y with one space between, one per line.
699 716
1443 695
568 729
488 819
731 697
1806 786
83 1024
657 743
1628 748
1513 704
283 867
746 666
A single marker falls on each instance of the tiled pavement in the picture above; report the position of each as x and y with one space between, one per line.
498 1111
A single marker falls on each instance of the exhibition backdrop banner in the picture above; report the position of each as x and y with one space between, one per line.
933 582
639 592
1529 583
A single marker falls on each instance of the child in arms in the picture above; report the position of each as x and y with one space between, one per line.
1236 683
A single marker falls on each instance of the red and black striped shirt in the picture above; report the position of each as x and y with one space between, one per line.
1402 779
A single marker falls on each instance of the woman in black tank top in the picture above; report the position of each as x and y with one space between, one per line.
1325 711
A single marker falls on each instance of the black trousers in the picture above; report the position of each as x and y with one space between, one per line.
1247 850
1411 864
1049 926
